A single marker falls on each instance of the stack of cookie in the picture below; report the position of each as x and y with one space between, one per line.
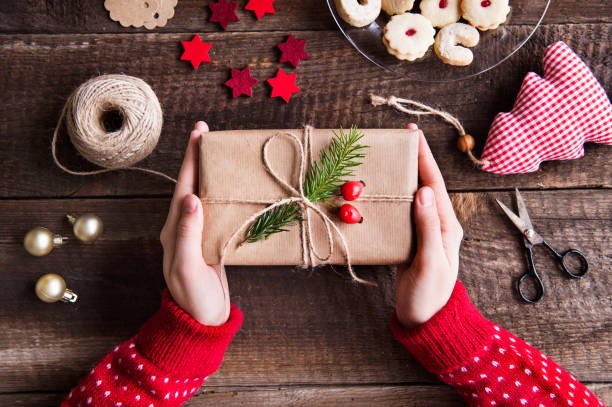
408 36
138 13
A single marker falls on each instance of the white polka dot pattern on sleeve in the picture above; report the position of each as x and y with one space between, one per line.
496 377
126 378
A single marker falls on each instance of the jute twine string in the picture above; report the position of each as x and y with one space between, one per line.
311 256
424 110
142 120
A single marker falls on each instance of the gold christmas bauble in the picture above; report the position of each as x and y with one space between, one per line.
87 228
52 288
40 241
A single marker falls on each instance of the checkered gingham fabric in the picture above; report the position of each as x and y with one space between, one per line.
552 117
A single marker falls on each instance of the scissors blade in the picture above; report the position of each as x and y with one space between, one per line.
518 222
522 209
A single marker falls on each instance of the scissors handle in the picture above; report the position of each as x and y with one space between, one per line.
535 280
574 272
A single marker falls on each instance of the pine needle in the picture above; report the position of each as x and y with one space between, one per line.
323 180
274 221
335 165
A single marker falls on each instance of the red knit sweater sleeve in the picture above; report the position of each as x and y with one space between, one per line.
487 365
163 365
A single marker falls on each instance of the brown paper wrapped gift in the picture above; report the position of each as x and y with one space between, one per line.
235 185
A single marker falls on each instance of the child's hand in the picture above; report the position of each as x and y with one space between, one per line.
201 290
424 287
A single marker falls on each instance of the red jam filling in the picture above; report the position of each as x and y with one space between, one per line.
485 3
443 4
410 32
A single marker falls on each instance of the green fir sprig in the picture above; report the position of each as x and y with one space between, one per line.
335 165
274 221
324 178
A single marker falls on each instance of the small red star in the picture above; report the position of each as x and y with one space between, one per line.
196 51
260 7
241 82
283 85
293 51
223 12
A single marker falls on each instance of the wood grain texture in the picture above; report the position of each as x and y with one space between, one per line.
354 396
40 71
300 328
308 338
407 395
400 395
359 396
81 16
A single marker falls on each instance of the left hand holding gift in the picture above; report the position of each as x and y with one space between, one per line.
424 286
199 289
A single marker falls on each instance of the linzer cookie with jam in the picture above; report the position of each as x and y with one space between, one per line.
408 36
485 14
441 12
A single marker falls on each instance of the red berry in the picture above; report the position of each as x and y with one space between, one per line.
352 189
410 32
349 214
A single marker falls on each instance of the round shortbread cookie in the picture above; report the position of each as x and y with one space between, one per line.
164 13
356 13
441 12
392 7
485 14
451 42
408 36
132 13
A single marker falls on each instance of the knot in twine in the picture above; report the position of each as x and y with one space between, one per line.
424 110
311 257
141 124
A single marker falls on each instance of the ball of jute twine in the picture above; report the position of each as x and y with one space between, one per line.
141 124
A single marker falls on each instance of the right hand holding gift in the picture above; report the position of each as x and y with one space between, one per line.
424 287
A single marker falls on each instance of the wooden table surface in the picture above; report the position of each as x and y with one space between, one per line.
308 339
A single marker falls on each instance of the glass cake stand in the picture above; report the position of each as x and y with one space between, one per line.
495 46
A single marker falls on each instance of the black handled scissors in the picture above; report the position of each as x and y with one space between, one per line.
531 239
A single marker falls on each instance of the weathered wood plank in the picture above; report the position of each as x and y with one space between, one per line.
404 395
375 395
78 16
435 395
389 396
40 71
32 399
300 328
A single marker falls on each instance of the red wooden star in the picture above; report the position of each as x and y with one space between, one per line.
196 51
293 51
260 7
241 82
283 85
223 12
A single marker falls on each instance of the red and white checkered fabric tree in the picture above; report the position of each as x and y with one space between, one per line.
552 117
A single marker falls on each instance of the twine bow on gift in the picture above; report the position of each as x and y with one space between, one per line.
311 256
